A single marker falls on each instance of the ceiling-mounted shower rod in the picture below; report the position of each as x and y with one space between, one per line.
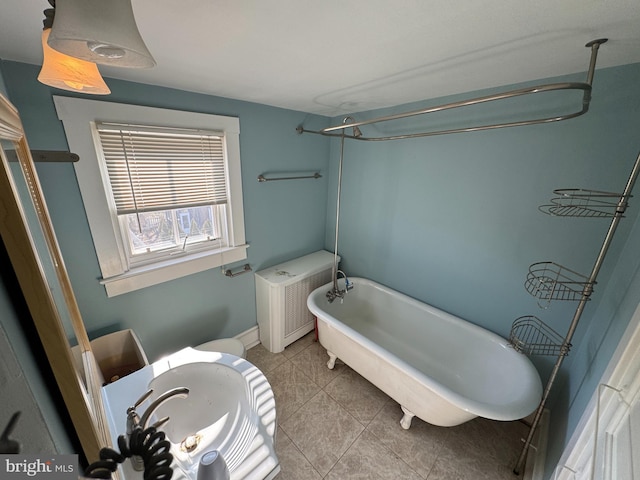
339 130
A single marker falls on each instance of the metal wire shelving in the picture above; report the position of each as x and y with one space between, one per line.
576 202
531 336
550 281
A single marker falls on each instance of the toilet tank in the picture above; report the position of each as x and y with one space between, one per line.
281 298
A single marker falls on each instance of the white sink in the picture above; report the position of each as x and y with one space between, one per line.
230 408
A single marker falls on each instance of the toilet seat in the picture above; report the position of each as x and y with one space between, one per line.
224 345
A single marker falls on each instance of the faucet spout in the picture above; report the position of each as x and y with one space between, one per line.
336 292
181 392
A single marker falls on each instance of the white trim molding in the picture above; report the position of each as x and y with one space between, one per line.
78 115
597 451
249 338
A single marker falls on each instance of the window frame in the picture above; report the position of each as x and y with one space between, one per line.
78 116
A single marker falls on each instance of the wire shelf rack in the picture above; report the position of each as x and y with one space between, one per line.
549 281
576 202
531 336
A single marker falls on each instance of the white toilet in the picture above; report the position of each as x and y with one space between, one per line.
224 345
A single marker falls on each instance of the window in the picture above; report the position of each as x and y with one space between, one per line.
169 187
161 188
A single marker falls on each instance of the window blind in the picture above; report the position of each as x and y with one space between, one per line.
153 169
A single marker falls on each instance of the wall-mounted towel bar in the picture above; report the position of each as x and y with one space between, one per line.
262 178
246 268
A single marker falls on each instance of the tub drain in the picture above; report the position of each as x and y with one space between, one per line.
190 443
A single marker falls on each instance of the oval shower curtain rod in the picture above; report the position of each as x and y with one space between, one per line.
339 130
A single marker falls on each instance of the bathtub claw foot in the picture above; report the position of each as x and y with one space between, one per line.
405 422
332 360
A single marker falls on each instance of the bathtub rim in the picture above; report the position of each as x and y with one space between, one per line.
502 412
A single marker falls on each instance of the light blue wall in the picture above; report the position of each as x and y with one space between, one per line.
453 220
283 220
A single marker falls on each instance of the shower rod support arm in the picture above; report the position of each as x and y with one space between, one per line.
586 87
594 45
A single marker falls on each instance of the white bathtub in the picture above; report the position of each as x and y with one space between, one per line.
438 367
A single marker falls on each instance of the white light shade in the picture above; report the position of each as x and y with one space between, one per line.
99 31
69 73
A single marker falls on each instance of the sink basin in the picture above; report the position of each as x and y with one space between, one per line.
230 408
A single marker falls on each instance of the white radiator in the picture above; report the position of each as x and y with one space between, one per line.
281 298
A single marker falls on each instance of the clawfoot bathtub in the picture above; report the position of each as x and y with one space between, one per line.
438 367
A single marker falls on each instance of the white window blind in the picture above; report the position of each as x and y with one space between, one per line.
153 169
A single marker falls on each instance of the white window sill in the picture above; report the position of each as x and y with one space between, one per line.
141 277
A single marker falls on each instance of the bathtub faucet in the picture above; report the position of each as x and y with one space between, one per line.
336 292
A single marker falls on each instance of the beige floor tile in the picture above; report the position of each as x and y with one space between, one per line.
323 431
313 362
419 446
296 347
452 464
369 459
293 464
264 359
322 416
359 397
504 445
291 388
282 439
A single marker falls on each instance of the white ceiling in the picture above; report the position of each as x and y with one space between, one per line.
338 56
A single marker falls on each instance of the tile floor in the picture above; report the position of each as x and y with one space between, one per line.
335 425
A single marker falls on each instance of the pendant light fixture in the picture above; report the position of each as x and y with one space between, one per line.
65 72
99 31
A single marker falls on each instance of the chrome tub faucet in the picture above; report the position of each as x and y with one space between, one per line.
336 292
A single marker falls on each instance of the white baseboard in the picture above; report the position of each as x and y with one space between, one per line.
249 338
